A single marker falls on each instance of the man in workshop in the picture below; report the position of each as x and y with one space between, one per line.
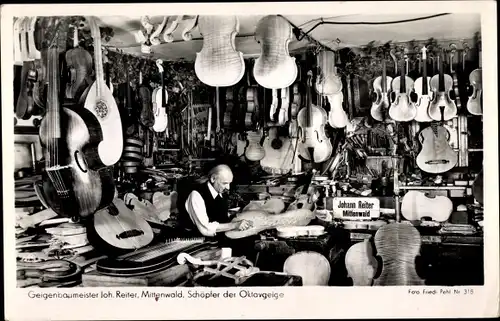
206 208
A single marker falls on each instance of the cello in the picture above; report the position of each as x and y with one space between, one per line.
314 145
75 183
218 64
275 68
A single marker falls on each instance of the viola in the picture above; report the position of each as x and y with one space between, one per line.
475 101
402 108
314 145
381 86
328 82
79 62
101 103
442 107
218 64
275 68
76 183
160 97
422 85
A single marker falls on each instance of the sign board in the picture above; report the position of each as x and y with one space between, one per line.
356 208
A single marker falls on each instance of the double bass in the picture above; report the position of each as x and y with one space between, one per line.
314 145
275 68
218 64
76 183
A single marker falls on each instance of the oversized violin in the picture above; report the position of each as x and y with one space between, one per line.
402 108
101 103
218 64
160 97
475 101
422 85
442 107
79 62
436 155
76 183
275 68
314 145
381 85
327 81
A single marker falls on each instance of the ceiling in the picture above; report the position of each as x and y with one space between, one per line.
455 26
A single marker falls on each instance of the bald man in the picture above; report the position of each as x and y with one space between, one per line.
206 208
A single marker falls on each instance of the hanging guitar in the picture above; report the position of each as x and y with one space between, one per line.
402 108
75 183
275 68
381 86
436 155
218 64
160 97
442 108
101 103
422 85
314 145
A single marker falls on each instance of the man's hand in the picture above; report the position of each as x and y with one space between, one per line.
244 225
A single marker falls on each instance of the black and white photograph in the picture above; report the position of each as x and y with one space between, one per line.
239 151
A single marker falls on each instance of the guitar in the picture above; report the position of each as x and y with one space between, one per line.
278 150
275 68
218 64
314 145
101 103
75 183
417 205
442 108
160 97
436 155
402 108
116 229
79 62
381 85
475 101
422 85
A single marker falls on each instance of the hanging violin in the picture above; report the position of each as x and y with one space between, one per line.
402 108
314 145
275 68
79 62
475 101
442 108
422 85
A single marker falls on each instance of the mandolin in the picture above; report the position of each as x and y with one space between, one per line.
402 108
218 64
160 97
422 85
442 107
275 68
398 245
314 145
116 229
75 183
381 85
436 155
79 62
475 101
417 205
101 103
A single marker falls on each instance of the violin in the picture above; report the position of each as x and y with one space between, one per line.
475 101
327 81
422 85
337 117
442 107
160 97
381 86
294 109
75 183
285 103
314 145
402 108
39 60
275 68
144 97
218 64
436 155
252 106
79 62
228 122
274 105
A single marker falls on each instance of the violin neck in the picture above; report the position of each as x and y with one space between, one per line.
424 77
441 74
402 83
163 98
384 77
